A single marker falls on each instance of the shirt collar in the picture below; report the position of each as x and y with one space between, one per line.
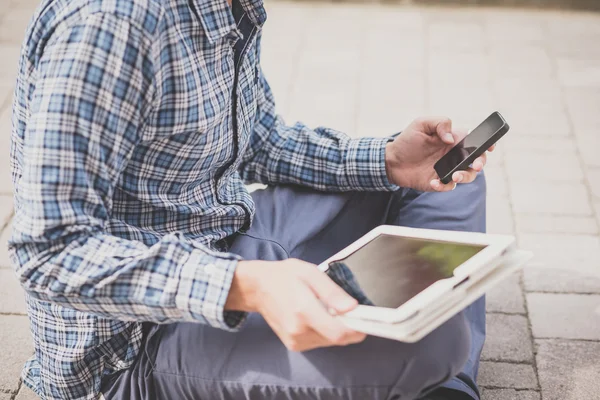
218 21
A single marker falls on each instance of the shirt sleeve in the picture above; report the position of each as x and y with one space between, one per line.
321 158
94 84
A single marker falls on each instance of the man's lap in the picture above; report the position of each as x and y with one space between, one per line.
195 361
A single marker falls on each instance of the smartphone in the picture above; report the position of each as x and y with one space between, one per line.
472 146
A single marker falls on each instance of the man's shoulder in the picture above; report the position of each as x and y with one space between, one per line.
144 15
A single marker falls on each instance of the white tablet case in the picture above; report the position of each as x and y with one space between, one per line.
415 328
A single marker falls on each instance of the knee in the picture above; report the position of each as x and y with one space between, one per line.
438 357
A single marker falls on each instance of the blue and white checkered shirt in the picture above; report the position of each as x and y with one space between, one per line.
129 168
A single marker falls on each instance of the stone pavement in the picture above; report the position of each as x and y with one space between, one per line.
371 69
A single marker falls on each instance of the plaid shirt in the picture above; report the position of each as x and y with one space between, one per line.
129 169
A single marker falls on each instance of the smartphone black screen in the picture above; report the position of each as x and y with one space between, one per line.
469 145
390 270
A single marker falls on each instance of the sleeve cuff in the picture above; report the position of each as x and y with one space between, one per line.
204 285
365 165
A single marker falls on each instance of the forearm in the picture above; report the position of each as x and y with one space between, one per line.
320 158
173 281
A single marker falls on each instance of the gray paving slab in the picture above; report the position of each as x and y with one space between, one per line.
12 296
593 177
8 66
14 24
509 394
543 145
6 396
507 375
26 394
16 346
544 166
5 129
565 316
558 224
580 103
542 197
497 185
508 339
568 370
499 214
562 263
588 144
507 297
4 258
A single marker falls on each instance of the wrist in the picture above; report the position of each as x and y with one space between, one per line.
244 288
391 162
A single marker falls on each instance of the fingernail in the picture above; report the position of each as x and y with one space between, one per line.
435 183
460 178
449 138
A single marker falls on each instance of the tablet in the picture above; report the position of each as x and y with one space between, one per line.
396 273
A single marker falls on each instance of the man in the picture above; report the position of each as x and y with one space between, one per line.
152 273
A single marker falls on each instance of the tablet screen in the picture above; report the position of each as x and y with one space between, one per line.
390 270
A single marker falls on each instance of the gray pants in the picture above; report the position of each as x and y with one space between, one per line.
192 361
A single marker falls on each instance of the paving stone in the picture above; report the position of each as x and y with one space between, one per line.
8 66
6 396
499 215
507 339
16 346
495 177
593 177
12 296
520 61
568 370
556 198
5 129
544 145
4 236
14 24
509 394
544 123
581 103
562 263
543 223
565 316
544 167
506 375
578 73
6 209
26 394
507 297
465 37
588 144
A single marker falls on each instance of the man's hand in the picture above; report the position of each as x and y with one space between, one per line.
294 298
410 157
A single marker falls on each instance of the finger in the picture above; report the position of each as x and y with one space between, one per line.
330 293
438 186
492 147
331 328
466 176
440 126
479 163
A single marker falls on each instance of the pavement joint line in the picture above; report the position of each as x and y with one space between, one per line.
12 314
507 313
509 193
499 360
571 134
567 339
531 338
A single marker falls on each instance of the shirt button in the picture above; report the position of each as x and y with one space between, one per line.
209 268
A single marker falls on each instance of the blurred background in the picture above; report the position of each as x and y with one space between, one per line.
368 69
